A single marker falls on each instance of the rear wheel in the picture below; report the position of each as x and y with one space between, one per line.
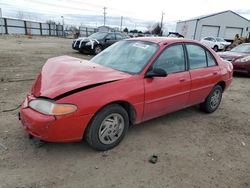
107 128
213 100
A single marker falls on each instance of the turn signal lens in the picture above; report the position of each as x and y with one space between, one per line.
61 109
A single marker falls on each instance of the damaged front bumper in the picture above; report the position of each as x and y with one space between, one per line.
64 128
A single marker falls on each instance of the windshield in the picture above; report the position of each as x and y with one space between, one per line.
243 48
127 56
97 36
220 39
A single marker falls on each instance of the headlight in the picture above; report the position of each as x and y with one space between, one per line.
243 59
49 107
88 43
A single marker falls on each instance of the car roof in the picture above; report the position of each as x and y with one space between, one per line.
162 40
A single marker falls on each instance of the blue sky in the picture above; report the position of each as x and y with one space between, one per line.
137 13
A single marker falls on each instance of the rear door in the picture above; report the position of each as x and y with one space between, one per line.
170 93
204 71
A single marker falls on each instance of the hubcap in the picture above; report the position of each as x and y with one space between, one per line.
111 128
215 99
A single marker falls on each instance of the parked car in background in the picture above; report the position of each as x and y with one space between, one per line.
130 82
240 58
216 43
175 35
96 42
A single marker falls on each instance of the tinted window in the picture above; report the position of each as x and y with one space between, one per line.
171 60
196 56
208 38
210 60
98 36
111 36
119 37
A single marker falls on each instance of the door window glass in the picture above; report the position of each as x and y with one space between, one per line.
210 60
111 36
171 59
196 56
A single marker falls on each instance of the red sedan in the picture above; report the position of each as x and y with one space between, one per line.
130 82
240 58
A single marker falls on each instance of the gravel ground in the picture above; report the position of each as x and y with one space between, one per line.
194 149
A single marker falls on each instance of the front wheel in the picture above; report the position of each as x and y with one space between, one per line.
107 128
213 100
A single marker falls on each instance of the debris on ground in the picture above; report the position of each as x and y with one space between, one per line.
243 143
153 159
105 154
209 154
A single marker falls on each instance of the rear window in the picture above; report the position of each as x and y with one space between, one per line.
196 56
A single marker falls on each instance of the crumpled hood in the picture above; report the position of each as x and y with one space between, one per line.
63 74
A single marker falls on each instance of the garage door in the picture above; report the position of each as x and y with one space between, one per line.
208 30
230 32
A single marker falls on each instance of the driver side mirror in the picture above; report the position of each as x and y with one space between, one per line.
156 72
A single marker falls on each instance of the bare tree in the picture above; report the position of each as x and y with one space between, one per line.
157 30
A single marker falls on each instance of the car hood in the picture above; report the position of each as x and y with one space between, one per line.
64 74
230 56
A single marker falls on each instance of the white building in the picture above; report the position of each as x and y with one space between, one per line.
223 24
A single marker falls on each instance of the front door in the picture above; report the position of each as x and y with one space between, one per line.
170 93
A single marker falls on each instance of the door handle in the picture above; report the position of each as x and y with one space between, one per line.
182 79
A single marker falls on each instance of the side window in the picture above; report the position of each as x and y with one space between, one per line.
171 59
110 36
210 60
196 56
119 37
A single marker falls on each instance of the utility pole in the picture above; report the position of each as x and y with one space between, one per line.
162 14
121 23
1 18
104 15
62 25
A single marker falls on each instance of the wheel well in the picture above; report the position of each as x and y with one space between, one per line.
222 84
129 108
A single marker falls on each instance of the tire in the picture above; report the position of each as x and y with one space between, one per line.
216 48
103 134
213 100
81 50
97 49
